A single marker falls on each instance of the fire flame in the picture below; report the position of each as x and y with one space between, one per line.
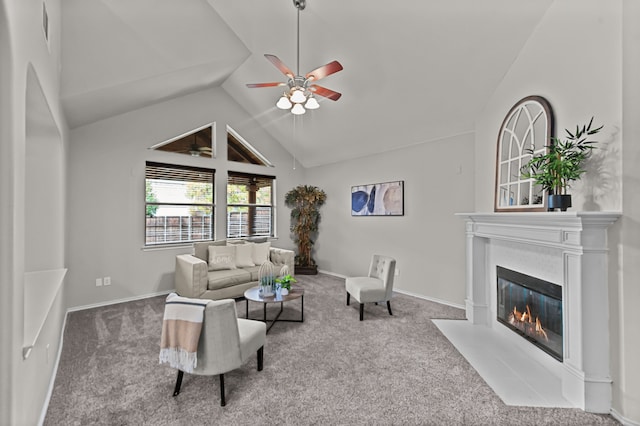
524 320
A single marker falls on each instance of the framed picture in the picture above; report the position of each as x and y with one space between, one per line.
378 199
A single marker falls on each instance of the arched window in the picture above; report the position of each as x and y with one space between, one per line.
525 131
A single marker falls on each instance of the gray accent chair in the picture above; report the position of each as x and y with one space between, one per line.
377 287
226 342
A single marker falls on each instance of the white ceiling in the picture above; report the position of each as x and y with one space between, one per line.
414 70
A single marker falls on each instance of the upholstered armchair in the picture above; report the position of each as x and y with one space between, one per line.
226 342
377 287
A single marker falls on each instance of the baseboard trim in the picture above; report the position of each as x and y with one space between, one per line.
115 302
54 373
322 271
622 419
407 293
430 299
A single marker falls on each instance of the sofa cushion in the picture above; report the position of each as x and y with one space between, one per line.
227 278
261 252
254 271
244 255
201 248
222 257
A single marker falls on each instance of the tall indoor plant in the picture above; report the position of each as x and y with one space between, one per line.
561 164
305 202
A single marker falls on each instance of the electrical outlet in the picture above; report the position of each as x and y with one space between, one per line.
397 272
98 282
107 280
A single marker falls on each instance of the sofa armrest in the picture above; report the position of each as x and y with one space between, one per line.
280 257
191 275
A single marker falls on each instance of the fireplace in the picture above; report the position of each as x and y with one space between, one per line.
565 248
532 308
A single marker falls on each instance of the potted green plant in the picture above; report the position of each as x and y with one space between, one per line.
561 164
285 283
305 202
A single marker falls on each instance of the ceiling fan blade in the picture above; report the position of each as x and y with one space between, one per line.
280 65
324 71
324 92
253 85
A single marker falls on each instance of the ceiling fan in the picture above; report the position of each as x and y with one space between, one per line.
299 96
196 151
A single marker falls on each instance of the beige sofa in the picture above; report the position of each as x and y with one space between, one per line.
221 269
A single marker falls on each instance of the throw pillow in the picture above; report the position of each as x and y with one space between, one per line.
261 252
222 257
244 255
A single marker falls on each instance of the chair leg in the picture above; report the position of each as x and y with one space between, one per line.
361 311
223 402
176 390
348 298
260 358
389 307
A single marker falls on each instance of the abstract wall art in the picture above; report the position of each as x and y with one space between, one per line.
378 199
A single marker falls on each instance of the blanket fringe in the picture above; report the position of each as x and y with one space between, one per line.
179 358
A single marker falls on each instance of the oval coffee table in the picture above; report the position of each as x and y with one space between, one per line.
296 292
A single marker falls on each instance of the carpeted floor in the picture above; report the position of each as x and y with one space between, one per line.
330 370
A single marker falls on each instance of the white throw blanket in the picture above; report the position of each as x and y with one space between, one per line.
181 328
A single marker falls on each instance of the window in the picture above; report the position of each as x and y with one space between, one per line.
250 209
241 151
178 203
197 143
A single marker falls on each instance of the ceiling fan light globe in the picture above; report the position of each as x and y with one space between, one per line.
312 103
298 109
298 97
283 103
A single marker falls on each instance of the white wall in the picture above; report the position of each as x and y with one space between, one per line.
428 242
30 116
106 191
574 59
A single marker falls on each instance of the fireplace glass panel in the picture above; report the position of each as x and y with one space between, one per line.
532 308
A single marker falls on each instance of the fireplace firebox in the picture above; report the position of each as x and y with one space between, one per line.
532 308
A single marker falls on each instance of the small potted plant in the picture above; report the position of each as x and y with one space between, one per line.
561 164
285 283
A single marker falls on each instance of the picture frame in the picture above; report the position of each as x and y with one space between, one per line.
378 199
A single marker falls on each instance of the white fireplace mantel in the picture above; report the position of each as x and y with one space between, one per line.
569 249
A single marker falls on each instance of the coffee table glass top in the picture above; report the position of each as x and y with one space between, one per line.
253 294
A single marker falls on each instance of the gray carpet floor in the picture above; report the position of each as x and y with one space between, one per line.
330 370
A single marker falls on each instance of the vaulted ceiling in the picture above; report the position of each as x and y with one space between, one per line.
414 70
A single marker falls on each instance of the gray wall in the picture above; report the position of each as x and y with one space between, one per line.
106 192
428 242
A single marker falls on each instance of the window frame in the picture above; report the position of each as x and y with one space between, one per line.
172 172
250 218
